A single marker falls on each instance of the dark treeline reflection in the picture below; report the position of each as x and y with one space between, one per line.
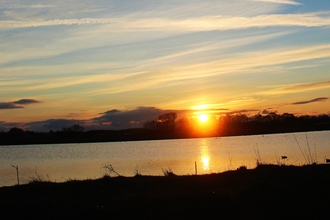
170 126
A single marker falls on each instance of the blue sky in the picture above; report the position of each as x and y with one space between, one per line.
64 62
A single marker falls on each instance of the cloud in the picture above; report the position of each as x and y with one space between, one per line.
109 120
118 119
321 99
52 124
113 111
26 6
76 114
268 111
204 23
289 2
5 126
243 111
78 80
180 73
17 104
308 86
26 101
9 105
146 74
56 22
298 88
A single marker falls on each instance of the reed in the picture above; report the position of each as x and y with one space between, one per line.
258 156
230 157
38 178
308 156
137 172
110 169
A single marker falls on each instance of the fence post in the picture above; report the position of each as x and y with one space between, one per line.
17 176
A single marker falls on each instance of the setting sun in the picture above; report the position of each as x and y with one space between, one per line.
203 117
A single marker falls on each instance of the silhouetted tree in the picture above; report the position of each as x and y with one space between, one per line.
167 121
16 132
74 128
164 122
152 125
184 125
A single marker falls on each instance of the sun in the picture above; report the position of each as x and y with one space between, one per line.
203 117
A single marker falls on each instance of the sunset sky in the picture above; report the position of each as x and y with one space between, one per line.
113 64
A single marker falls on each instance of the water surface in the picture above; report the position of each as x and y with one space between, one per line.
61 162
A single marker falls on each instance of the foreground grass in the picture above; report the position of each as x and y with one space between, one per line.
266 192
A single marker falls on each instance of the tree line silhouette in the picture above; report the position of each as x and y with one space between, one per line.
241 124
168 126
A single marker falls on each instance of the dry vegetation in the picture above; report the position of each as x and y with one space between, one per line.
266 192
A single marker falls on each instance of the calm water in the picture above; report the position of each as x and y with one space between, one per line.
61 162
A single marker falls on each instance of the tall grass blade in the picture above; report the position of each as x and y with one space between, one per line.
257 153
230 157
309 150
300 148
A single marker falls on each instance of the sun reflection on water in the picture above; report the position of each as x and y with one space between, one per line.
206 163
205 155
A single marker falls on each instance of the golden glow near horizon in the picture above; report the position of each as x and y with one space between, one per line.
201 107
201 113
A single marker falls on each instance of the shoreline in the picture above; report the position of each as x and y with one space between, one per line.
77 138
265 192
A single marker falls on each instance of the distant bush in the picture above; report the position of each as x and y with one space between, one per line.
168 172
242 168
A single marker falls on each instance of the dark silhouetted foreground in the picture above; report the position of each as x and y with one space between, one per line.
266 192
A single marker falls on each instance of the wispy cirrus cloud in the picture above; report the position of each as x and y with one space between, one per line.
205 23
302 87
243 111
288 2
13 6
242 63
308 86
145 74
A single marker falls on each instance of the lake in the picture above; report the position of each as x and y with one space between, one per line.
62 162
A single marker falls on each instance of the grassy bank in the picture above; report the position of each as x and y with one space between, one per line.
266 192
